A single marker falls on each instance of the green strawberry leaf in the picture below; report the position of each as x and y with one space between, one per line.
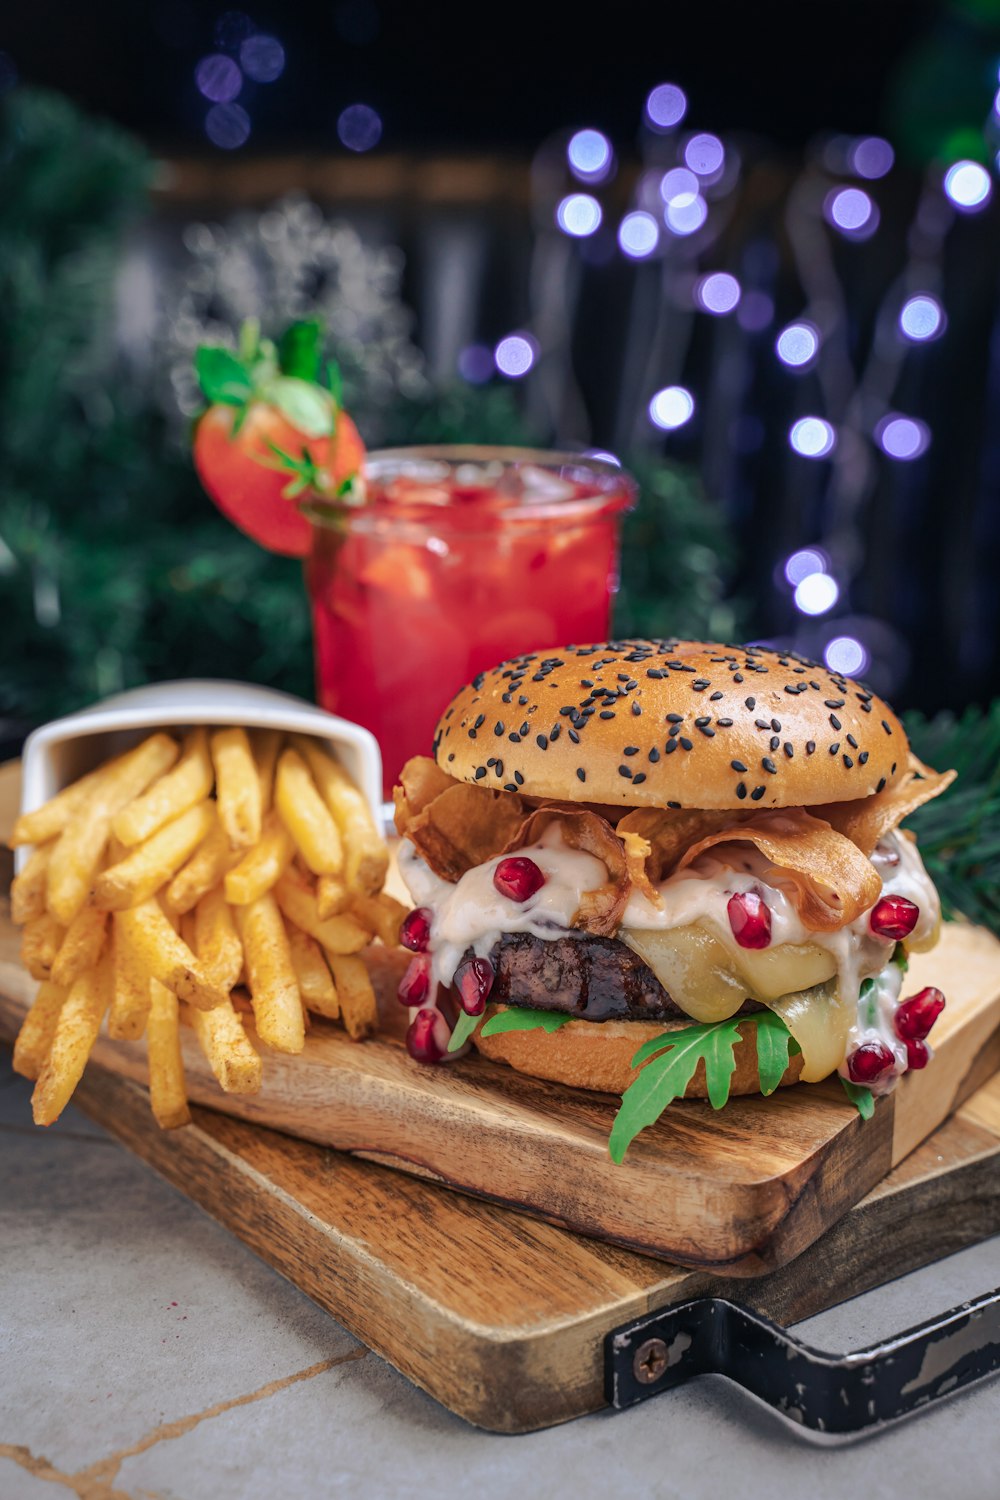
860 1097
222 376
774 1045
300 349
307 407
464 1027
335 382
673 1061
518 1019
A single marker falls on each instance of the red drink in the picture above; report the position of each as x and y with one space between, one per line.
460 557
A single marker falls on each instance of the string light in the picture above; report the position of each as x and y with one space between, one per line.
802 564
666 106
845 654
902 438
871 157
797 345
515 355
262 58
968 186
922 318
812 437
671 407
705 154
590 155
816 594
579 215
718 293
685 217
851 211
638 234
359 127
218 78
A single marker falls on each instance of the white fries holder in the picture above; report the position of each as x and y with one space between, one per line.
58 753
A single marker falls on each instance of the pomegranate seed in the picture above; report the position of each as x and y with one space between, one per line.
869 1062
421 1039
474 980
917 1055
894 918
415 930
750 919
415 985
518 878
915 1017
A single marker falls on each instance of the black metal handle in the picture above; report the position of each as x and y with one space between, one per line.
830 1393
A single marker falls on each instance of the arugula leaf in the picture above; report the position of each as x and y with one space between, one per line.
222 376
464 1027
300 349
860 1097
519 1019
774 1045
670 1063
900 957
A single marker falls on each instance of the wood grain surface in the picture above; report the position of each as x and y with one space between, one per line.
739 1192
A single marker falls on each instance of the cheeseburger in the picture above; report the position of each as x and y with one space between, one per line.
669 855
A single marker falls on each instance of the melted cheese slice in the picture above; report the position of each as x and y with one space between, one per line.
820 1021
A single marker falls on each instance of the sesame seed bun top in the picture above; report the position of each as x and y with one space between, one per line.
671 724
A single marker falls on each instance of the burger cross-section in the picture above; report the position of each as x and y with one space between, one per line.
669 869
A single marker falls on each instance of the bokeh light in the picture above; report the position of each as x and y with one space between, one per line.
902 438
579 215
262 58
679 187
228 126
515 355
685 216
871 157
812 437
755 312
666 106
638 234
589 155
218 78
797 345
802 563
968 186
851 211
671 407
922 318
475 364
705 154
718 293
846 655
816 594
359 127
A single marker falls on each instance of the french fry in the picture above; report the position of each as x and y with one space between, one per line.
266 743
216 941
332 896
189 782
262 865
382 914
340 934
315 984
27 891
75 1034
306 816
237 787
274 990
77 855
40 942
160 954
51 818
358 1006
34 1040
227 1048
130 989
167 1093
153 863
366 856
81 946
208 865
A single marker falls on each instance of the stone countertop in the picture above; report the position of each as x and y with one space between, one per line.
147 1354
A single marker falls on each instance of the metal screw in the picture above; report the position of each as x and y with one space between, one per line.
650 1361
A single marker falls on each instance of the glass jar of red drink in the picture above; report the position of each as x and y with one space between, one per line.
459 557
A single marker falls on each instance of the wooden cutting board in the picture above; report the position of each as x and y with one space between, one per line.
739 1192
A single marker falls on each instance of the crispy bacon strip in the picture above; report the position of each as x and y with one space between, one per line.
453 824
870 818
655 838
600 911
833 882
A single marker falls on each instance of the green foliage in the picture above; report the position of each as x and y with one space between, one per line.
516 1018
860 1097
959 832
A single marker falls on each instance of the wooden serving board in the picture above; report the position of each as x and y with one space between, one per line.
740 1192
499 1316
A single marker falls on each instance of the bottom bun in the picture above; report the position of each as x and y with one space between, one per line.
598 1054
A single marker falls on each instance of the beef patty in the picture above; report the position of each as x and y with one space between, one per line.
594 978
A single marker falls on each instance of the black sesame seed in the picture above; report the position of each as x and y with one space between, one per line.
700 683
522 700
473 735
738 765
519 778
515 739
852 742
675 805
607 714
703 719
510 786
567 708
810 747
640 777
451 756
480 720
624 771
762 723
541 741
892 769
863 758
498 768
480 772
751 703
835 747
655 672
492 761
834 722
631 750
499 727
554 733
885 726
756 794
881 785
769 765
674 730
636 710
670 747
685 743
714 697
775 741
581 773
505 697
574 737
833 702
788 750
866 708
737 676
523 729
776 725
708 733
741 790
848 762
675 718
654 755
724 723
